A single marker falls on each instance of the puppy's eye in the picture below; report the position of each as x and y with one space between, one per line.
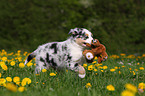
87 34
86 37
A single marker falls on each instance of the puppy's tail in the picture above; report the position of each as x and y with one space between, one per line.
30 57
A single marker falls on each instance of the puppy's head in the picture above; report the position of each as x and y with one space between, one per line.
81 36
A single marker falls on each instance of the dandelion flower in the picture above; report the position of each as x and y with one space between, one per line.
141 85
4 67
11 87
21 65
25 81
4 58
90 67
119 72
110 88
88 85
29 64
2 63
95 58
21 89
2 81
9 79
141 68
127 93
0 75
95 70
105 67
12 63
16 79
94 62
52 74
85 65
44 70
18 83
131 88
112 70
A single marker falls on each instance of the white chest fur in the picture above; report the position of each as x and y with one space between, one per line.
75 51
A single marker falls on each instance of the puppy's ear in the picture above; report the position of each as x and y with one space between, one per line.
74 31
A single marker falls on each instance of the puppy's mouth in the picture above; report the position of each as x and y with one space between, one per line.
84 44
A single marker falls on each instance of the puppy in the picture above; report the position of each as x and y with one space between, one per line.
66 54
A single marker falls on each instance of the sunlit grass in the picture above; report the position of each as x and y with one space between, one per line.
106 79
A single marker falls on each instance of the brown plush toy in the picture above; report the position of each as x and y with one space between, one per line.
97 49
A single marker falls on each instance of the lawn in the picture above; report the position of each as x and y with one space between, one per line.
120 75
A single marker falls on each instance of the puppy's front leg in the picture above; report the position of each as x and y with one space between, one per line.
81 71
74 66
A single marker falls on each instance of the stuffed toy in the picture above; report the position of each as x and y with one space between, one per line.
97 49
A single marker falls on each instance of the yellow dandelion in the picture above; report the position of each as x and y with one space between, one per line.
12 63
116 67
130 56
95 70
88 85
2 63
112 70
95 58
37 74
133 72
4 67
122 54
18 83
34 64
29 64
66 70
4 58
9 79
2 81
21 65
100 67
119 72
110 88
94 62
0 75
91 67
131 88
136 69
52 74
114 56
19 59
143 55
85 65
21 89
16 79
122 66
102 70
141 85
26 81
105 67
141 68
11 87
44 70
127 93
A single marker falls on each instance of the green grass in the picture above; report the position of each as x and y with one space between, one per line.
67 83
